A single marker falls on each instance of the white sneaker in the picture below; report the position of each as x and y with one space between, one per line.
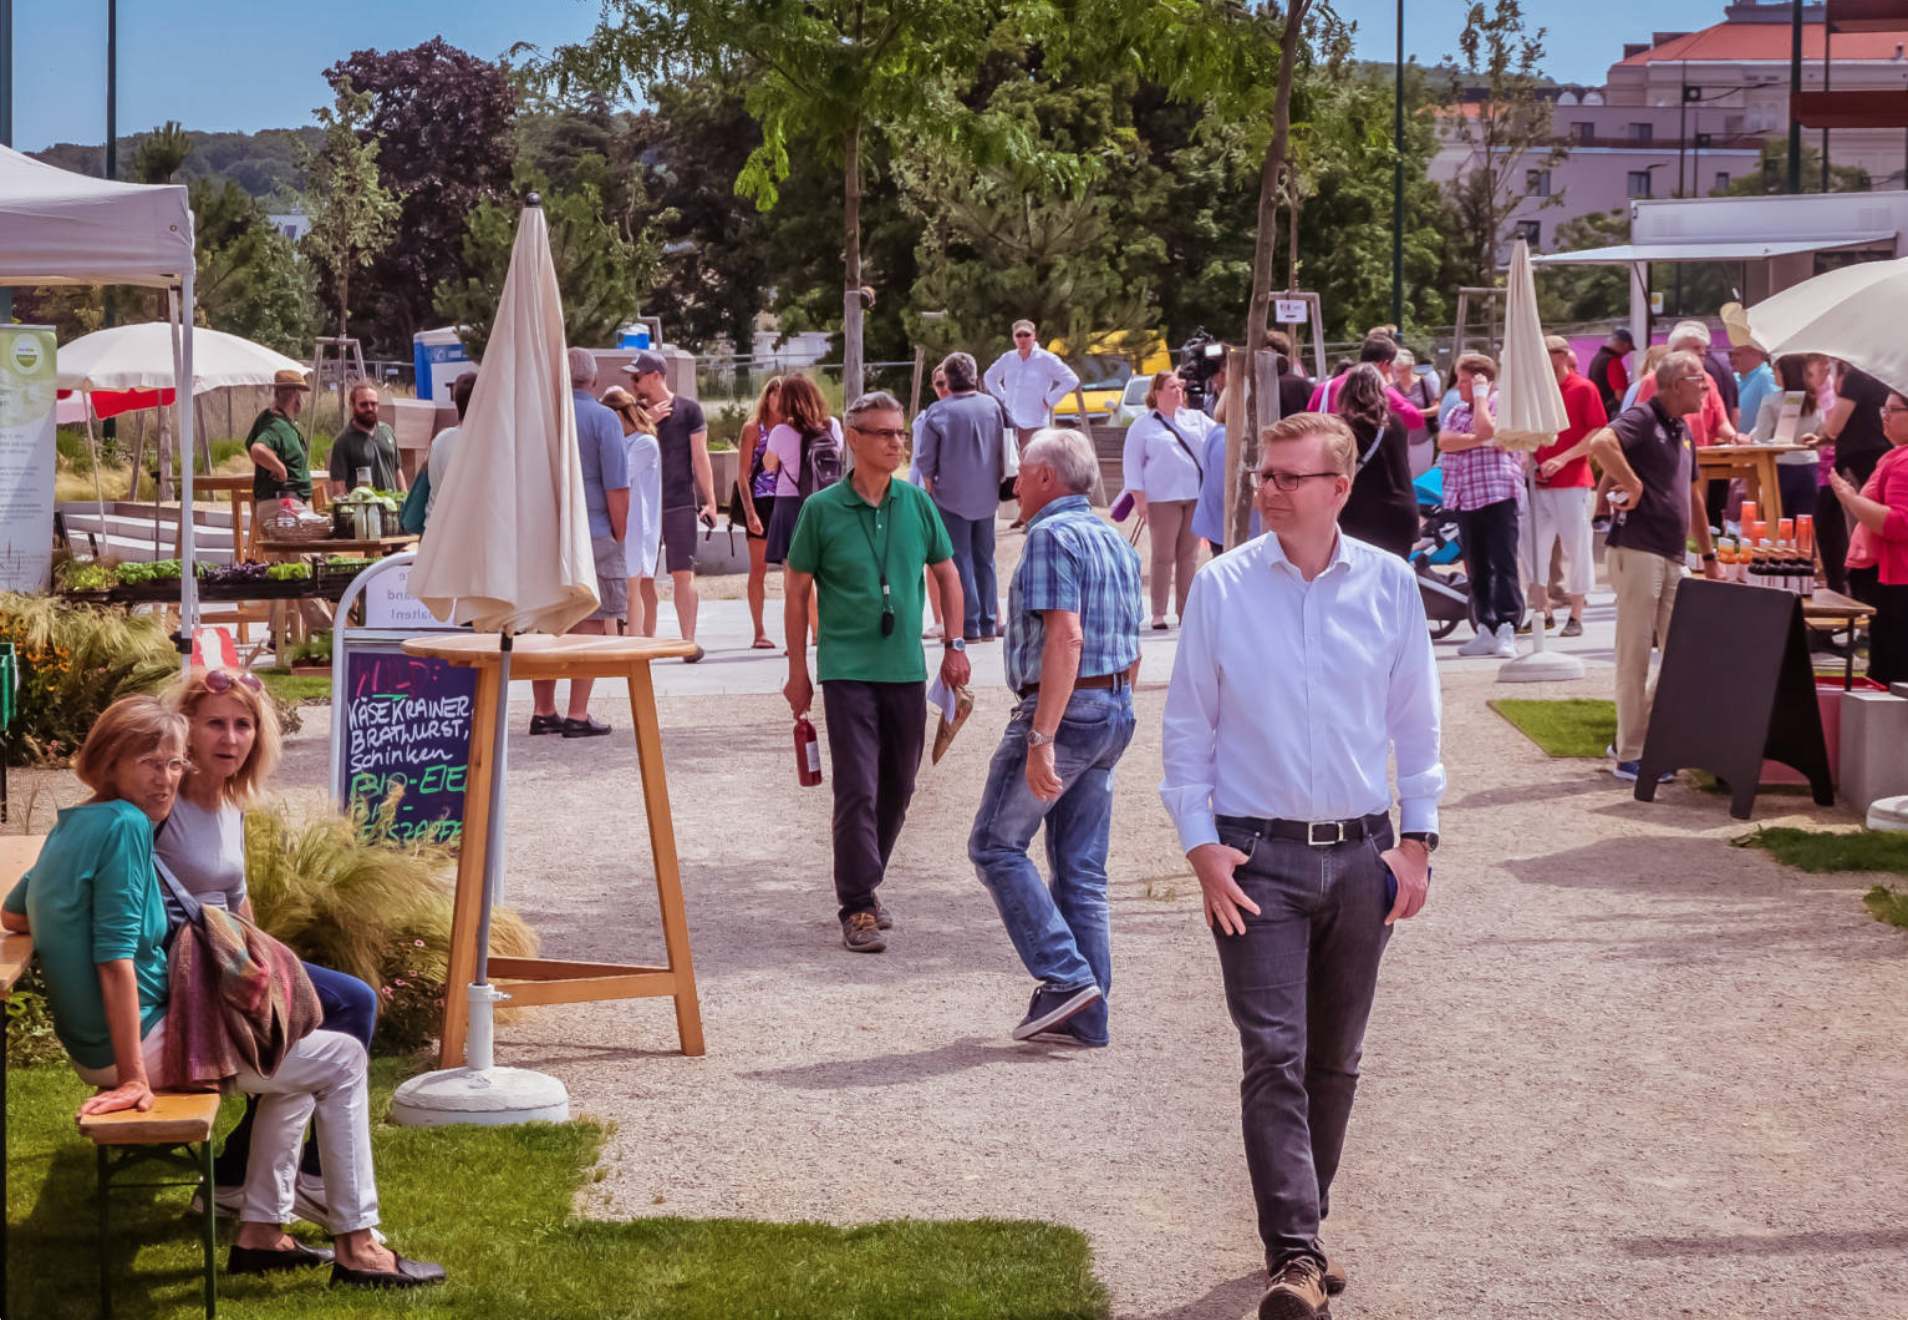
1485 643
1504 646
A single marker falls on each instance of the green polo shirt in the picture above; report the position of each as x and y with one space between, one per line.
275 431
845 542
93 897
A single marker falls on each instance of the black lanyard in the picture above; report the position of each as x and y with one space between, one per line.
880 557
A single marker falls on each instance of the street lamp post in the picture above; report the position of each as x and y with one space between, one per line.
1795 90
1398 179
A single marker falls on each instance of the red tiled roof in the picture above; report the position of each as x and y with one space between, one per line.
1770 41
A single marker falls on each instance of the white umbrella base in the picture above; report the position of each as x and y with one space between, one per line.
1889 813
1541 667
493 1097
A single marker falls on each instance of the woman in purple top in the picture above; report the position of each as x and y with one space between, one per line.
755 498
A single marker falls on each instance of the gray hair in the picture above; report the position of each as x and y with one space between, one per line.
962 375
1680 363
1069 455
872 401
582 368
1689 332
1405 358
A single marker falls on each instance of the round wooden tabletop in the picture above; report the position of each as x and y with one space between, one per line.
539 651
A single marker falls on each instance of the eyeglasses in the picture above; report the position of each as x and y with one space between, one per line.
163 765
881 432
220 681
1023 334
1285 481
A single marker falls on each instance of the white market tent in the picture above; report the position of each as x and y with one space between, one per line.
57 227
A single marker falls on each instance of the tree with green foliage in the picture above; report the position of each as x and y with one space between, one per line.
1771 175
821 75
251 280
605 262
1587 293
353 215
1497 109
161 153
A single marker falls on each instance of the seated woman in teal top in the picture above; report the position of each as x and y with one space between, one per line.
92 904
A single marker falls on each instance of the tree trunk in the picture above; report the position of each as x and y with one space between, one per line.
851 274
344 295
1257 314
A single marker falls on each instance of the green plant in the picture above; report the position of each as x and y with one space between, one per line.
159 570
314 650
297 572
76 660
30 1037
344 893
85 575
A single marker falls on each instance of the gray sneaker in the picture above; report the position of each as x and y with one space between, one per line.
1050 1009
861 934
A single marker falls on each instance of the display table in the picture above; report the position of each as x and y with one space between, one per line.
545 980
1756 464
286 624
1832 612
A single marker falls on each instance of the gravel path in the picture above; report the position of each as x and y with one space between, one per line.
1615 1066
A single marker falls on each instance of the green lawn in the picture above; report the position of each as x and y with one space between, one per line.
296 689
1818 851
494 1205
1578 726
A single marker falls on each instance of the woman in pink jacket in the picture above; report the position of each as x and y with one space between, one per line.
1878 549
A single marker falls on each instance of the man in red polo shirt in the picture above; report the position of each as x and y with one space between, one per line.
1564 496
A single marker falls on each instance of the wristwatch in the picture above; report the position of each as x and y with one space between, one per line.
955 644
1035 738
1428 838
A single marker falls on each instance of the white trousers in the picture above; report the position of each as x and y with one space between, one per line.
325 1074
1562 517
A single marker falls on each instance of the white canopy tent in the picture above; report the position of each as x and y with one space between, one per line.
57 227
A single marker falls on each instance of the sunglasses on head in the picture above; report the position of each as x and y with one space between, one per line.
220 681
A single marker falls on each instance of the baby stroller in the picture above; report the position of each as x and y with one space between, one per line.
1438 559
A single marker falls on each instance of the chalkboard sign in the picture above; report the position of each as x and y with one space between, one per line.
1736 689
406 722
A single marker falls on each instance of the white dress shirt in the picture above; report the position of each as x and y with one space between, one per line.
1029 386
1156 465
1289 697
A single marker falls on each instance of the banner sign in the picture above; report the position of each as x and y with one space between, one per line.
406 723
28 365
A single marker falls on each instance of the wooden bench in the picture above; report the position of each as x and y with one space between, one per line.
122 1140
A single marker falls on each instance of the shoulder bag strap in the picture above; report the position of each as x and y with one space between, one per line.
1198 467
189 906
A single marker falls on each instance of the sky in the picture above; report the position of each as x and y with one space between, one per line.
252 64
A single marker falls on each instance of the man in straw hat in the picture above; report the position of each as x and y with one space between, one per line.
1073 646
278 452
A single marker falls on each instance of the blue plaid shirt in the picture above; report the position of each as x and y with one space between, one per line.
1074 562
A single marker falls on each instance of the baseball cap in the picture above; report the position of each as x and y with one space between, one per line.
1623 332
646 361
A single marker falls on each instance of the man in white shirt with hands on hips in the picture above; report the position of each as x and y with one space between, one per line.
1304 665
1029 381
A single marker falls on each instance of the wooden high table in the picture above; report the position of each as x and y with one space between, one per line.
546 980
1757 466
1832 612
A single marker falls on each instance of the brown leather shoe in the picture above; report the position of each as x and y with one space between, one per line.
860 934
1335 1277
1297 1292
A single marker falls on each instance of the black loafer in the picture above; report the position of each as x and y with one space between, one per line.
252 1260
408 1274
587 727
546 724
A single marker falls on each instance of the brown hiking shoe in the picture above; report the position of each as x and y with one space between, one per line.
1297 1292
1335 1277
860 934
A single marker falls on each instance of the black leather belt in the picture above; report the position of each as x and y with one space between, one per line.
1318 833
1104 682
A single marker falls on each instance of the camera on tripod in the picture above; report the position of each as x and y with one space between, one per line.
1201 359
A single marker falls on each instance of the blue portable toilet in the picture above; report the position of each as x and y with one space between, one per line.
439 357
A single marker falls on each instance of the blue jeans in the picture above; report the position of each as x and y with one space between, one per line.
1300 984
1061 933
351 1007
974 559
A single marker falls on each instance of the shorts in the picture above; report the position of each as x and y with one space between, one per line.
1563 518
679 538
612 578
781 526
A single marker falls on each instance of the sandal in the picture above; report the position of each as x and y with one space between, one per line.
762 644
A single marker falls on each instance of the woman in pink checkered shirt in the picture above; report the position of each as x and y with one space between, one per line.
1482 484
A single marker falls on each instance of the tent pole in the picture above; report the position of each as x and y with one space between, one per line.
92 447
182 397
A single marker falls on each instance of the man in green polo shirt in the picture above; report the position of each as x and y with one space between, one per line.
863 543
278 452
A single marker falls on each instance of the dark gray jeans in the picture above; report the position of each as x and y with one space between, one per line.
1299 984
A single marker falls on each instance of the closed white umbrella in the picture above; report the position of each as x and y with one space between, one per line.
508 545
507 550
1530 414
1854 313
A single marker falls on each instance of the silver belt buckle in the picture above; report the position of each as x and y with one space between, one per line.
1337 836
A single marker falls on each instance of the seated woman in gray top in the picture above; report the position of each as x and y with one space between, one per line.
232 747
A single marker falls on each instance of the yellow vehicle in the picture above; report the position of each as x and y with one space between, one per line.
1110 361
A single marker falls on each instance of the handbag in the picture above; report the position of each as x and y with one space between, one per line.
1198 467
1009 454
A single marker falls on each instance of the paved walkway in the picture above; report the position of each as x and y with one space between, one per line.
1616 1066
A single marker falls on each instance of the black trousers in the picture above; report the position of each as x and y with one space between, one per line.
875 734
1489 537
1831 538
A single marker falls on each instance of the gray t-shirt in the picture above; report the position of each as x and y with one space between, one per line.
961 454
205 850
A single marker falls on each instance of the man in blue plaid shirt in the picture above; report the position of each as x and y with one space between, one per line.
1073 621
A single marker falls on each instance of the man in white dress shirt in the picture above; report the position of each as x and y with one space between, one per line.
1029 381
1303 666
